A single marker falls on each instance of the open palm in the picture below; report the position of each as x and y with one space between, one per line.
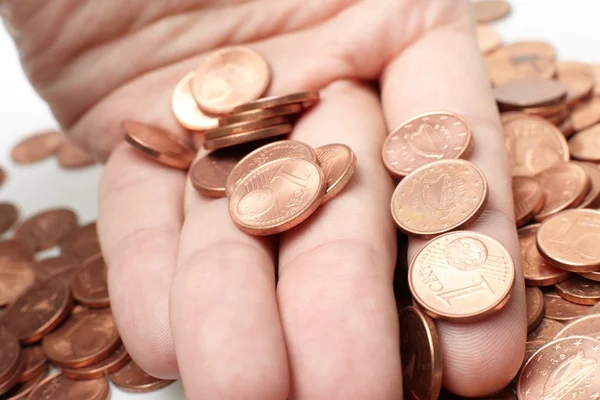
192 295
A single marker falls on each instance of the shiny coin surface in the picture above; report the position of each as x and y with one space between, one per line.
35 362
112 363
530 92
592 198
15 278
260 114
585 145
528 198
82 243
307 99
10 353
9 213
89 286
535 307
247 137
338 163
546 330
585 114
37 147
47 228
519 60
246 126
588 325
59 387
186 110
209 174
562 310
60 267
131 378
579 290
565 186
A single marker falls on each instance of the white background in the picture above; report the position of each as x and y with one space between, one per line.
572 27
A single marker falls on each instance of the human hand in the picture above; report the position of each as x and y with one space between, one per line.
192 295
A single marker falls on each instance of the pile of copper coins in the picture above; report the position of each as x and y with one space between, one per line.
550 112
272 186
57 333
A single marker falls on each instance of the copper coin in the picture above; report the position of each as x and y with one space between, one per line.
72 157
113 363
260 114
490 10
528 197
9 214
15 278
82 243
38 311
279 150
536 270
48 228
89 286
535 307
593 276
533 144
22 390
242 127
562 310
208 174
559 118
159 145
131 378
569 240
530 92
592 199
461 276
37 147
585 145
423 139
565 185
562 367
85 338
579 84
186 110
35 362
61 267
566 127
16 249
546 330
229 77
439 197
59 387
563 65
531 347
307 99
277 196
10 353
586 114
421 355
338 163
519 60
588 325
579 290
12 379
246 137
552 111
487 38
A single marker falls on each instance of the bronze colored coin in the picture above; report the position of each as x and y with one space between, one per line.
89 286
588 325
131 378
242 127
592 199
245 137
35 362
569 240
578 78
508 116
113 363
338 163
12 379
562 367
566 127
528 197
159 145
530 92
579 290
277 196
61 267
562 310
307 99
552 112
421 355
15 278
10 354
82 243
59 387
48 228
536 270
586 114
186 110
423 139
521 60
72 157
565 185
87 337
535 307
487 38
209 173
490 10
461 276
229 77
38 311
439 197
279 150
533 144
22 390
16 249
9 214
531 347
546 330
37 147
259 114
585 145
593 276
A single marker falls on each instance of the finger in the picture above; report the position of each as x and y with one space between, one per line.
335 271
444 71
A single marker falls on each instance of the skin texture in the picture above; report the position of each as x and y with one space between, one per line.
196 298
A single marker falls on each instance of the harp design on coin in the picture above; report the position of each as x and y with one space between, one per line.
568 375
427 141
438 195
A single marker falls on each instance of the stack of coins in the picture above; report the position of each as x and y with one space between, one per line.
57 333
